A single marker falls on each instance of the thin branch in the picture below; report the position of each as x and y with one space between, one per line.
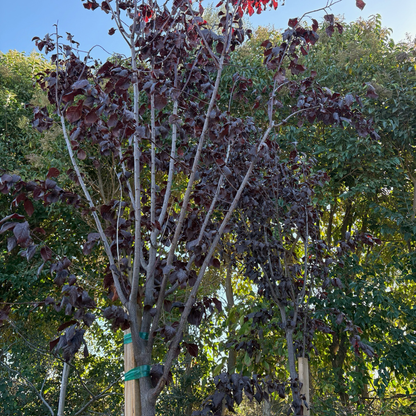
82 183
137 190
96 397
328 5
32 346
101 185
304 280
153 165
195 165
150 276
123 167
118 219
187 195
31 385
116 17
159 305
274 294
78 373
190 72
138 254
302 293
208 48
93 210
62 393
172 155
214 201
192 297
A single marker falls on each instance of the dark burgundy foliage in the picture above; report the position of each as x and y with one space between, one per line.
191 348
117 316
156 373
4 313
70 342
275 219
230 390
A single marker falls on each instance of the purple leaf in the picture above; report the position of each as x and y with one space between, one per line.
217 304
66 325
293 22
53 343
53 173
192 349
160 102
74 113
371 91
30 252
330 19
78 85
11 243
40 268
360 4
13 217
216 263
46 253
21 232
7 226
29 207
50 184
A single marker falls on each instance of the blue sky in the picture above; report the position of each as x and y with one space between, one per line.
21 20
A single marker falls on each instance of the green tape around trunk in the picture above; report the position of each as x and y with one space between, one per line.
142 335
138 372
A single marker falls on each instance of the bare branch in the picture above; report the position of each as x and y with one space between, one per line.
39 394
97 397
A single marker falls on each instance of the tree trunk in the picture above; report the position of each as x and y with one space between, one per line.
361 368
338 350
347 218
64 385
414 198
232 354
294 381
303 369
188 360
267 407
148 403
330 222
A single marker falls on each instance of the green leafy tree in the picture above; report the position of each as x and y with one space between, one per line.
370 190
30 373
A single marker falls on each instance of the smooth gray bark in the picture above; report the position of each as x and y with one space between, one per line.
64 385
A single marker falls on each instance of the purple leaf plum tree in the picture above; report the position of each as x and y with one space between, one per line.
160 169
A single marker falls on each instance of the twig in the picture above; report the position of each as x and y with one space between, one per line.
31 385
82 183
96 397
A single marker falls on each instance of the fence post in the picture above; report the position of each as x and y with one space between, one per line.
304 379
132 405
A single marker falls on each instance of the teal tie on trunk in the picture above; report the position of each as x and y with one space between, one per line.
138 372
142 335
143 370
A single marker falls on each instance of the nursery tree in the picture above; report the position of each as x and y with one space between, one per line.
161 165
371 190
